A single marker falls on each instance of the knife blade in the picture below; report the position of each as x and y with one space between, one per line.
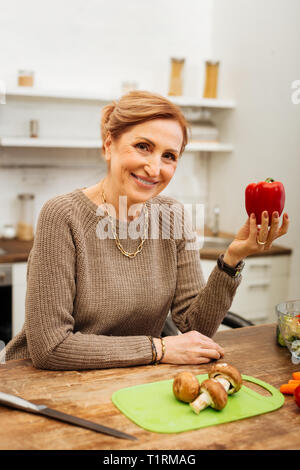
14 401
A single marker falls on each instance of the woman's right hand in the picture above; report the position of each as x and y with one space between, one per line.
189 348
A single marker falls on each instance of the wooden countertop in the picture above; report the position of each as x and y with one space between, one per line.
213 253
275 250
18 251
87 394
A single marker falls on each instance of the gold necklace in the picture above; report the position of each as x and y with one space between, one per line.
117 240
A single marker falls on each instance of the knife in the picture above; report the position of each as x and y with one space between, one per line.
16 402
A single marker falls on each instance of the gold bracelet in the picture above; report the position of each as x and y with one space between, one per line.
154 352
163 347
155 361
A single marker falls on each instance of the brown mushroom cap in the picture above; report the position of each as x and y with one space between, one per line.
229 373
216 391
186 387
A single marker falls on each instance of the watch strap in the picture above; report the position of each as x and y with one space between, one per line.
230 270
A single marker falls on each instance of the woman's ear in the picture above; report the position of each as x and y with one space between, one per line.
107 147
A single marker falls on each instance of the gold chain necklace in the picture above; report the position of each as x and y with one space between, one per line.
117 240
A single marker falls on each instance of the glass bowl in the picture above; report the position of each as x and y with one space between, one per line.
288 314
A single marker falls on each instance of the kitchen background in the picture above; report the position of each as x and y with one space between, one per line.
84 52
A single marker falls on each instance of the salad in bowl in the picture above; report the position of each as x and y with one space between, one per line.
288 314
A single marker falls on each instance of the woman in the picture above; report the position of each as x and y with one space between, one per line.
96 300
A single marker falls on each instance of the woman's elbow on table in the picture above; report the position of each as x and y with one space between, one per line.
48 358
43 361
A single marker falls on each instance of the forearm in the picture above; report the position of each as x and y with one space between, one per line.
89 351
210 306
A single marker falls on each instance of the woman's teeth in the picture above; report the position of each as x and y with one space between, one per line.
143 181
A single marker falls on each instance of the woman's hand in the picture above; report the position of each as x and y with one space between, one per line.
246 240
189 348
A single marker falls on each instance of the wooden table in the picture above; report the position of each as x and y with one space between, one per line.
87 394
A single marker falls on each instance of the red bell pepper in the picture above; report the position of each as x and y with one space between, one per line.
267 196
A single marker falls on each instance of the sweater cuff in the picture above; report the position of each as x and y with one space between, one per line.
224 280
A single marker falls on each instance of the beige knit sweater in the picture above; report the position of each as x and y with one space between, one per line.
90 307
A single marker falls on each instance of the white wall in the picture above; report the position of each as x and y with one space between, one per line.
258 47
92 45
96 43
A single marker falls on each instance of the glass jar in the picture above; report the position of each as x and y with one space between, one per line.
211 79
26 78
176 79
34 128
25 224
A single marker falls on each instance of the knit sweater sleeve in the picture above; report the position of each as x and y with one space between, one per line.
51 288
198 305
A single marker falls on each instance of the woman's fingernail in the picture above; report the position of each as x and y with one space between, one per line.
276 215
286 216
252 216
265 214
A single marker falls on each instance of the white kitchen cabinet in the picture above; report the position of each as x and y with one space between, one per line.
19 271
264 284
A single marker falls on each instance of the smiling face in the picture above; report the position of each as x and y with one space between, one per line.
149 151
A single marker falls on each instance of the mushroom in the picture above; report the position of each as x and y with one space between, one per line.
186 387
228 376
212 394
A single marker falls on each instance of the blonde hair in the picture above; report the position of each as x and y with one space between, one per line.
136 107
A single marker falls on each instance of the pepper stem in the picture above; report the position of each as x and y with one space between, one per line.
270 180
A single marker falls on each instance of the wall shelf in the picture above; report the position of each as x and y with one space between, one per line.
209 147
49 142
97 143
31 92
39 95
202 102
185 101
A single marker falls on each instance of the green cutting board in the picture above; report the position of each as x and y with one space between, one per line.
154 407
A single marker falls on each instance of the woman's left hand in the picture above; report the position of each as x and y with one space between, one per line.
246 241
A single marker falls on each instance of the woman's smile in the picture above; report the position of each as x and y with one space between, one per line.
141 181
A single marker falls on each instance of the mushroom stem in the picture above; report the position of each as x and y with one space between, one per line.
224 382
201 402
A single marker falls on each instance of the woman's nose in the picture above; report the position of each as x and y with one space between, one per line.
153 166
